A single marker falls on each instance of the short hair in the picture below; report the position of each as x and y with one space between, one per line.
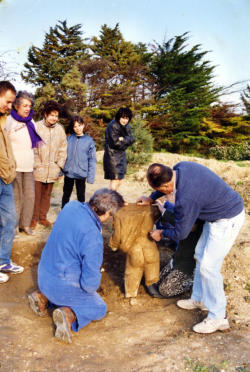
5 85
23 94
104 200
73 119
158 174
123 112
50 106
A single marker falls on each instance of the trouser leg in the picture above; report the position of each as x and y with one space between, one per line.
45 200
7 221
38 196
215 242
67 189
18 195
80 189
28 187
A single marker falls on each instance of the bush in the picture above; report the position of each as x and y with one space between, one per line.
141 150
236 152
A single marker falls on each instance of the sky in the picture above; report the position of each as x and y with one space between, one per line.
222 27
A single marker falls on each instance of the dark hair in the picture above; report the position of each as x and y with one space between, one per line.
73 119
6 85
50 106
104 200
158 174
23 94
123 112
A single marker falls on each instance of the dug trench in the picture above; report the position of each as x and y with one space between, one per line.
146 334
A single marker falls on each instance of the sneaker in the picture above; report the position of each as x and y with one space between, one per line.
190 304
211 325
3 278
11 268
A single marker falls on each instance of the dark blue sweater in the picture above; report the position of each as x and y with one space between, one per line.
200 193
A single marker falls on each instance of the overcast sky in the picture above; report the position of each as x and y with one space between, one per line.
220 26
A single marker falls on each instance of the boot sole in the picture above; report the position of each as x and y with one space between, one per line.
34 306
62 331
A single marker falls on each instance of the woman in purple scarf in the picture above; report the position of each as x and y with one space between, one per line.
24 139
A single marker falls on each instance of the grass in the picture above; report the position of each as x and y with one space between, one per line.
224 366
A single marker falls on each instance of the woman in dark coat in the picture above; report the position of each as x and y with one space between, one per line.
118 137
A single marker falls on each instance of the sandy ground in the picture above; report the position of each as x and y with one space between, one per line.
147 335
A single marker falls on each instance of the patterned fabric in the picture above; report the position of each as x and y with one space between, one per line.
174 282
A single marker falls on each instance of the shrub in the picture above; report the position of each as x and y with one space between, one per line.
141 150
233 152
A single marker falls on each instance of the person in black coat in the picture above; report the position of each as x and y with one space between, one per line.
118 136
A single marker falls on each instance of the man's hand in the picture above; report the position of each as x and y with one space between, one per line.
144 200
156 235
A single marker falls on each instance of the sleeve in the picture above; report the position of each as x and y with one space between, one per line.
62 151
91 163
91 262
113 138
156 195
186 213
129 139
115 239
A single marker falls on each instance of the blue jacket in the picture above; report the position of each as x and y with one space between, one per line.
200 193
81 158
73 253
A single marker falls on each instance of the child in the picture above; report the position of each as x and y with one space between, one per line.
81 161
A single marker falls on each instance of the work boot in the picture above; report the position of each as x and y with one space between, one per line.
63 317
38 303
45 223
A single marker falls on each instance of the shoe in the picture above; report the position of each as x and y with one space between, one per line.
27 230
3 278
153 291
17 232
33 225
63 317
190 304
11 268
45 223
38 303
211 325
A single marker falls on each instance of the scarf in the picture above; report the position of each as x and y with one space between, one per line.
34 136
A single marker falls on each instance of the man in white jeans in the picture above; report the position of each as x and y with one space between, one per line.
200 193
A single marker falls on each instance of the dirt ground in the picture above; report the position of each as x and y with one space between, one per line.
147 334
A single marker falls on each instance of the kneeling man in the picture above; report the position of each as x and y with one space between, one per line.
69 269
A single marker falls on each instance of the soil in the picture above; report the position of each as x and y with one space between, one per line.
144 334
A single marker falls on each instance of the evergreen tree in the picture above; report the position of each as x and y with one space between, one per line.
245 97
184 92
62 48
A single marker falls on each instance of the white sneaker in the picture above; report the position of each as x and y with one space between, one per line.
190 304
3 278
211 325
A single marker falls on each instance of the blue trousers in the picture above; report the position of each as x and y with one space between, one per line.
7 221
60 292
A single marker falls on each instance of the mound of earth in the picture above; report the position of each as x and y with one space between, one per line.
145 334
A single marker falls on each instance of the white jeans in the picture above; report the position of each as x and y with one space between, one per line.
215 242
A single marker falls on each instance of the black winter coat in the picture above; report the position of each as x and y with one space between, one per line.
114 161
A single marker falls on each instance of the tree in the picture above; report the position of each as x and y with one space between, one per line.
184 92
245 97
62 48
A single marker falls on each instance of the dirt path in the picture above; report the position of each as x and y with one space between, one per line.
150 335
